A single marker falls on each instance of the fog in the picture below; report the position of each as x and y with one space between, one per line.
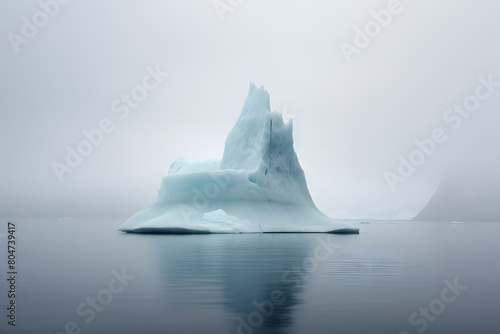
355 113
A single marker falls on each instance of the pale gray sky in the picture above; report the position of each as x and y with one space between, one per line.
352 120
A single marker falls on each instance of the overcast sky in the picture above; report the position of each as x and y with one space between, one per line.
355 112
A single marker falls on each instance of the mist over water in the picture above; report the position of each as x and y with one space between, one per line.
353 121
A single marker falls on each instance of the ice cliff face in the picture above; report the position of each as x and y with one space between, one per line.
258 186
262 144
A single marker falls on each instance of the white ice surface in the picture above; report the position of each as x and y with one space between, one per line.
257 187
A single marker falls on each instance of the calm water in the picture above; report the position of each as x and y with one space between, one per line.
272 283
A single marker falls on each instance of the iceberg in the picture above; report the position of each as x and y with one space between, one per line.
257 187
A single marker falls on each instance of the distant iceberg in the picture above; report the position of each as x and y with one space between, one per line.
257 187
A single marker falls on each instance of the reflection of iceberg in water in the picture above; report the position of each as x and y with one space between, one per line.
257 187
236 272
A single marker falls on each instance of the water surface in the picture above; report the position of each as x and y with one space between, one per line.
257 283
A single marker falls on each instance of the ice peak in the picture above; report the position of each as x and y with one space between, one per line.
262 144
257 102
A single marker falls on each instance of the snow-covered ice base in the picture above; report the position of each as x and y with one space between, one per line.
257 187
